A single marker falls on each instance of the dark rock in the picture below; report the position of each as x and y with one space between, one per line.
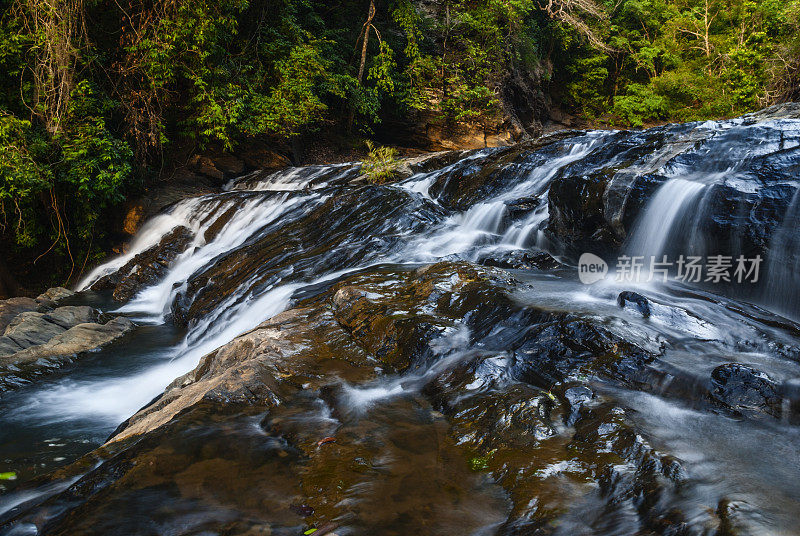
577 210
744 390
305 243
206 166
561 345
9 309
635 301
520 260
432 161
576 397
213 230
230 165
520 207
470 180
147 267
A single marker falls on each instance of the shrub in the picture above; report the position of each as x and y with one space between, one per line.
381 163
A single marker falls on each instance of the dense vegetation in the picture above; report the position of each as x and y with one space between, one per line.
97 95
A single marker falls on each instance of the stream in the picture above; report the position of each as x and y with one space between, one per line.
434 364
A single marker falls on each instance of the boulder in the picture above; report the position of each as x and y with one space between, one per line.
31 329
75 340
744 390
35 343
635 301
519 260
9 309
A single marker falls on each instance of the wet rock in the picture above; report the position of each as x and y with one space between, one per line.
744 390
147 267
565 345
432 161
522 206
35 343
517 434
576 209
470 180
577 397
635 301
296 178
520 260
213 230
306 243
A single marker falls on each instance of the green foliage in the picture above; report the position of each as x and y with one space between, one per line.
381 163
294 101
94 94
639 104
481 463
82 168
23 177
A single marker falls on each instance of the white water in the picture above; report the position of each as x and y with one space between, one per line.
668 207
251 216
189 212
482 224
292 178
783 271
116 399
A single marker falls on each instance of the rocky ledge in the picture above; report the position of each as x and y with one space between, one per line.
490 411
40 335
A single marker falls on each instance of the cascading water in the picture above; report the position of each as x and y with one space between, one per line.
273 241
672 204
783 271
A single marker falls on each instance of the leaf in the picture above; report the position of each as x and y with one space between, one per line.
310 531
11 475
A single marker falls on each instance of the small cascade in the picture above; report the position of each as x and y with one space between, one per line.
484 217
252 215
294 178
783 270
674 202
189 212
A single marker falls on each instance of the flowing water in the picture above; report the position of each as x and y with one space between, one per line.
697 189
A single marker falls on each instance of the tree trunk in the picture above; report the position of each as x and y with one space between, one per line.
367 25
370 16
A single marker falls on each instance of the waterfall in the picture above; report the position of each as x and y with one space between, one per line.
497 343
783 270
672 204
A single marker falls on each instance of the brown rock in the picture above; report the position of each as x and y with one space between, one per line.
135 212
229 165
